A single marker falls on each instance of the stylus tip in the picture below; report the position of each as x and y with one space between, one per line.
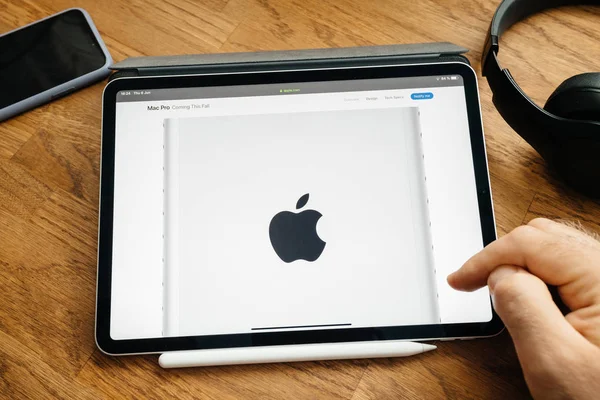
428 347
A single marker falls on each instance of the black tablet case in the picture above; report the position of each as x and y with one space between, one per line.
290 60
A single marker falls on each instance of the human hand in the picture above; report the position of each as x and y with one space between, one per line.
560 355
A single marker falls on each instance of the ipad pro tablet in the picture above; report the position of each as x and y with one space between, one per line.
291 207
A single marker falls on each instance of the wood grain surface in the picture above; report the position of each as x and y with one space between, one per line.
49 178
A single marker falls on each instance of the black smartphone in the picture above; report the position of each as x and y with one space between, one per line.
49 58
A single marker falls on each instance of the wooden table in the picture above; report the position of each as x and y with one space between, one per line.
49 173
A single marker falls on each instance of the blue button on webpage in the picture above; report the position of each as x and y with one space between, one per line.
422 96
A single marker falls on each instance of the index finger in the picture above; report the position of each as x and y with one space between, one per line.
542 253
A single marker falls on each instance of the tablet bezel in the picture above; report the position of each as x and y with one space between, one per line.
411 332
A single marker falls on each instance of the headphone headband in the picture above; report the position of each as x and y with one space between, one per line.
570 145
510 12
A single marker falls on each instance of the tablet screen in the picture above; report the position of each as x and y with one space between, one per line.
292 207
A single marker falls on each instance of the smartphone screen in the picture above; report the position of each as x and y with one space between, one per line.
46 54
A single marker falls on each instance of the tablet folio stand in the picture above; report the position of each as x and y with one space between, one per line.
424 53
290 59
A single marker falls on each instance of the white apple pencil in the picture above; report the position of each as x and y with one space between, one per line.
292 353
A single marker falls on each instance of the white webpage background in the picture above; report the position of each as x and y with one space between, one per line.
137 271
236 172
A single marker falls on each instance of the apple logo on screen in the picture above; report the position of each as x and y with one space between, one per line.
294 235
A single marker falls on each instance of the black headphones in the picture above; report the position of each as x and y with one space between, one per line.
566 132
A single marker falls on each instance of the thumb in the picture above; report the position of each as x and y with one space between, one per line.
535 323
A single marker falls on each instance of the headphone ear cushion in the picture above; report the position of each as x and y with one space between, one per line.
577 98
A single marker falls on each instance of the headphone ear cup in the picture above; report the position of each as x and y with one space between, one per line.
577 98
